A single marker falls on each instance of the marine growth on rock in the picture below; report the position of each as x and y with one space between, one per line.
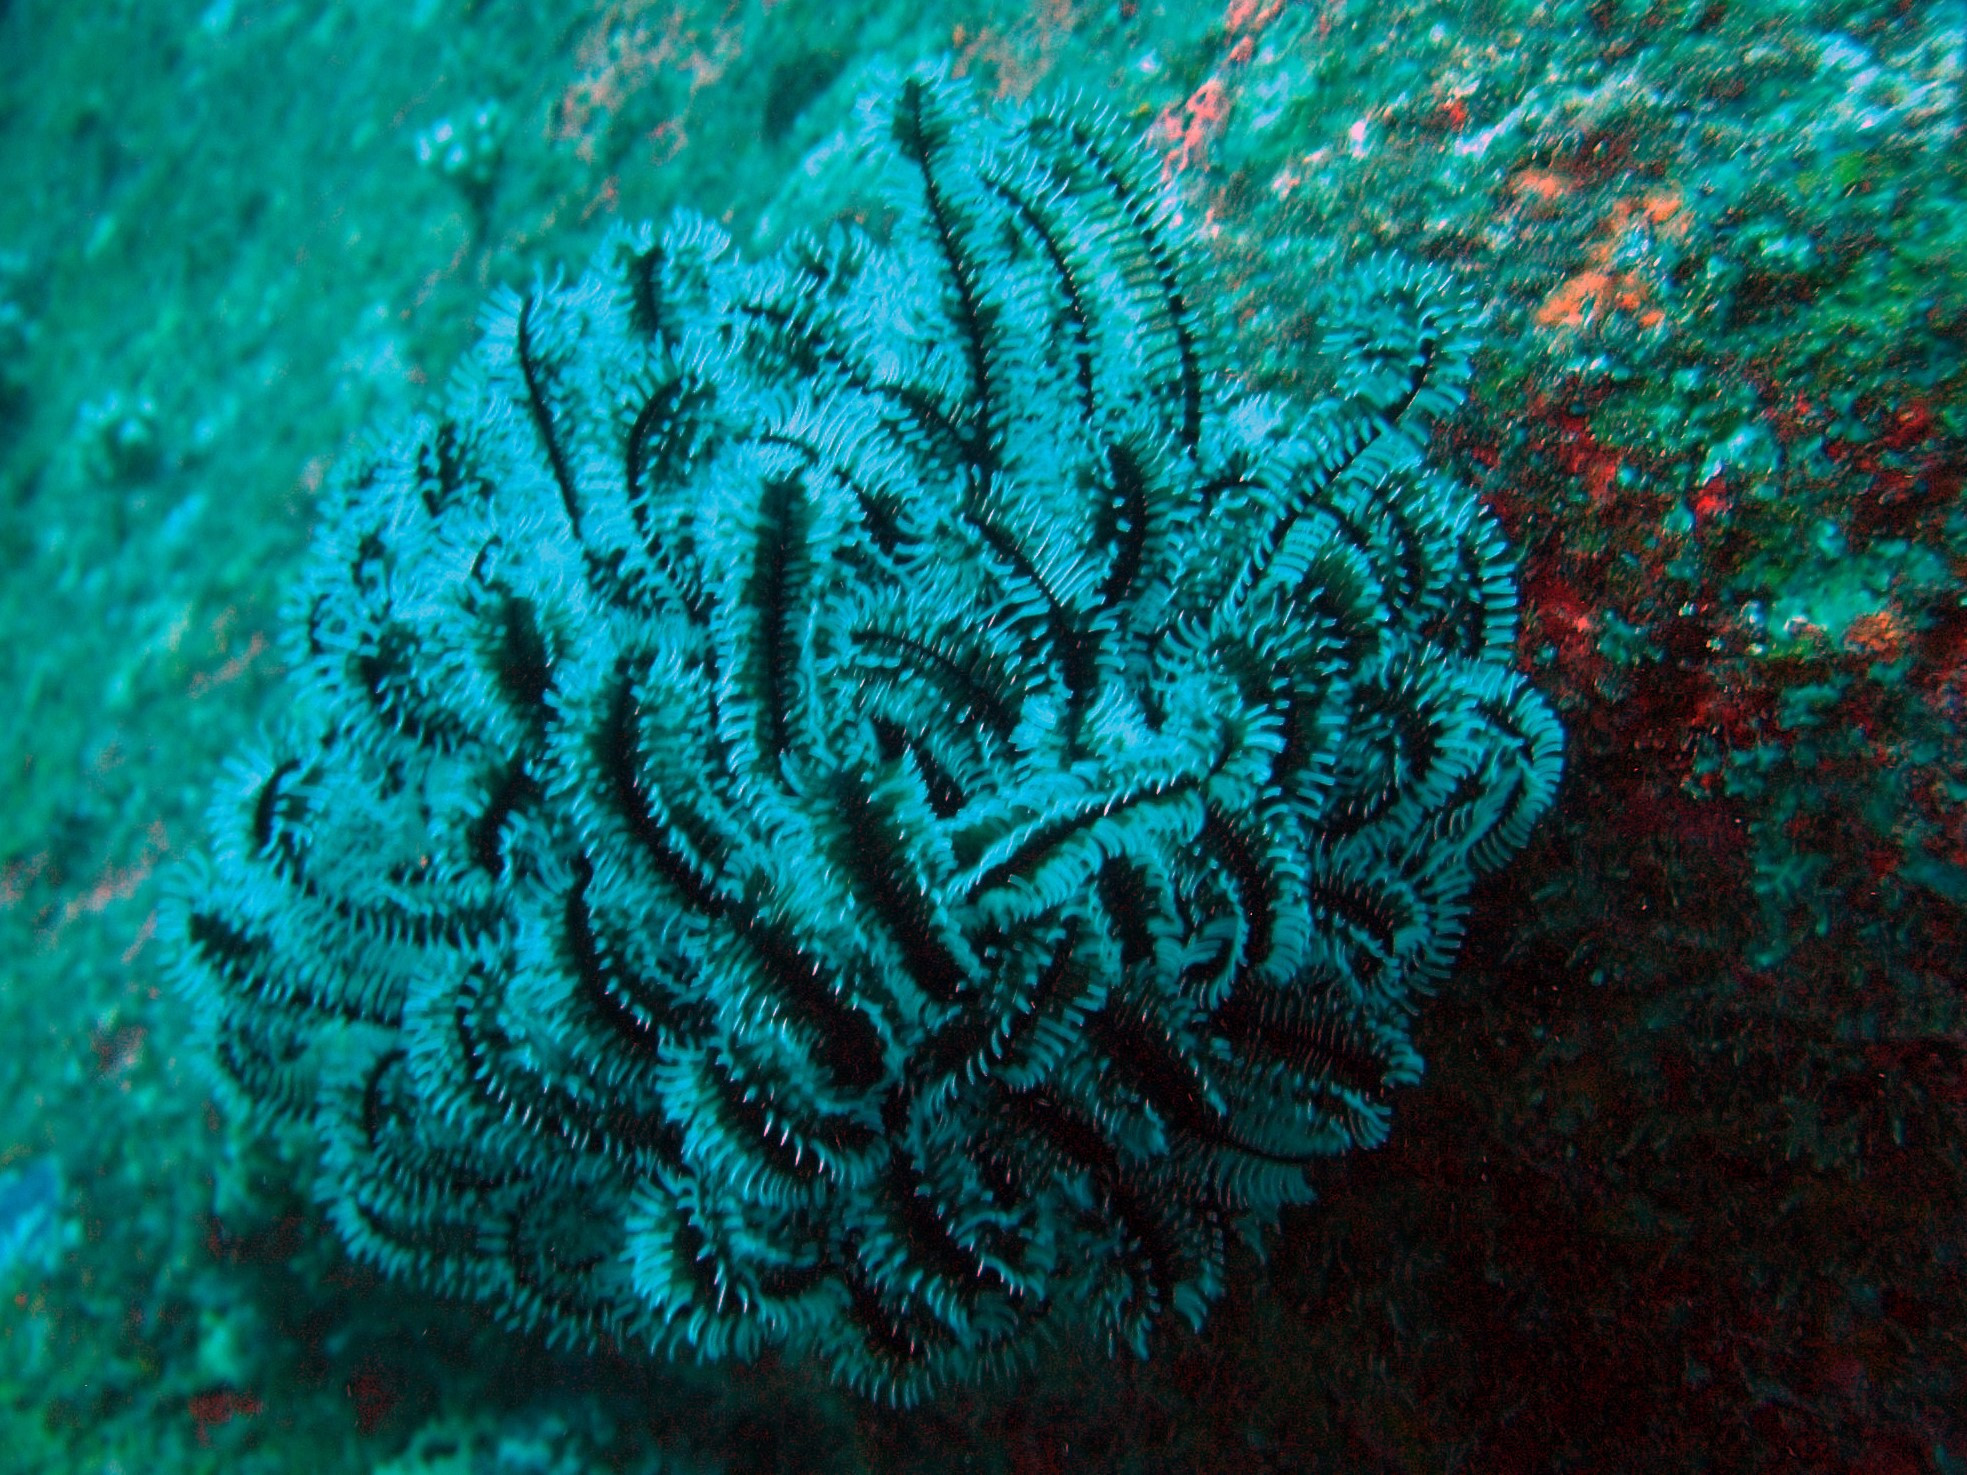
871 803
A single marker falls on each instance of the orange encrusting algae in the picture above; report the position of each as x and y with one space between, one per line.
1601 288
623 53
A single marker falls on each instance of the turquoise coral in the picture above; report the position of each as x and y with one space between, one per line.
867 803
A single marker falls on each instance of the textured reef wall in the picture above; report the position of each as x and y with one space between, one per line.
1685 1185
868 802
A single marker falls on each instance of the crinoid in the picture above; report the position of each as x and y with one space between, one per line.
868 802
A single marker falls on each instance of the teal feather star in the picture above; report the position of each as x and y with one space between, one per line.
867 803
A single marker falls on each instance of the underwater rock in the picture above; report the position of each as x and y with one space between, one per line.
30 1215
118 439
17 334
870 803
